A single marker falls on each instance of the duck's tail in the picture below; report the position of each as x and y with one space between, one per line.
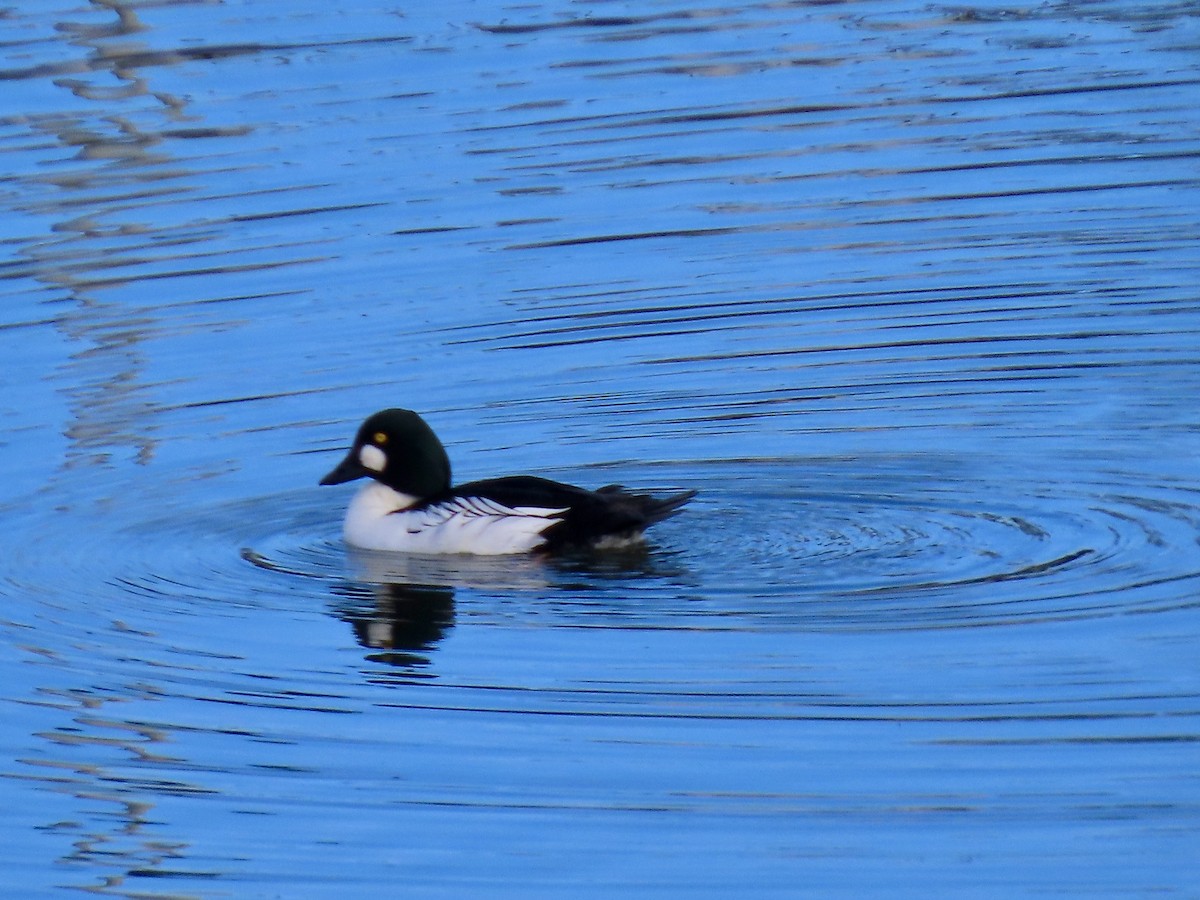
652 509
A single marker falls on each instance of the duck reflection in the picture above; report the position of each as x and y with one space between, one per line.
402 606
400 624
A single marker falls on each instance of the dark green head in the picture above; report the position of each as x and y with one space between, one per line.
396 448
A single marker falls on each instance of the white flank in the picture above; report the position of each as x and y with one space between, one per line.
461 525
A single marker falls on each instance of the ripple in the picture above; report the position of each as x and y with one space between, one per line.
886 543
934 543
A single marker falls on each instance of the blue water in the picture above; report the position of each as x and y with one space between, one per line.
907 292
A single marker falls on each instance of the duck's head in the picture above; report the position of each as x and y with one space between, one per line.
396 448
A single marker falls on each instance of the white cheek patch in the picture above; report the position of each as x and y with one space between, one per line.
372 458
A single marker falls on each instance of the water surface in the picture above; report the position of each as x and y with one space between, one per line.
907 292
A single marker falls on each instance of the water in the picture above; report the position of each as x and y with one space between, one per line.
908 292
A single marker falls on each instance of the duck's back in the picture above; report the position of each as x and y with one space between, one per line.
579 517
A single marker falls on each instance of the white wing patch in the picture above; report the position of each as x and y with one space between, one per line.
459 525
477 525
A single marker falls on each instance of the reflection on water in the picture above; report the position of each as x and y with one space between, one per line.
906 293
398 623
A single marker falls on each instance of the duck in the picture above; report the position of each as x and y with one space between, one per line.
409 505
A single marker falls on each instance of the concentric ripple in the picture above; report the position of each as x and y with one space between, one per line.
931 542
885 543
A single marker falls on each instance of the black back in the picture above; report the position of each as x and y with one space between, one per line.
589 515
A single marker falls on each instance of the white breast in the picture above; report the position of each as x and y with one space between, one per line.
461 525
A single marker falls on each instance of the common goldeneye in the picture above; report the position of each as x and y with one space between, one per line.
410 506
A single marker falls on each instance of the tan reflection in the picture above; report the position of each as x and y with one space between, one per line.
107 162
124 844
94 237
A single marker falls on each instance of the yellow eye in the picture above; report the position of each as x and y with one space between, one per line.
379 437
